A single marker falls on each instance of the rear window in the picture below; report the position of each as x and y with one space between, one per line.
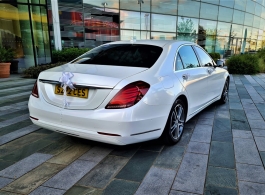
122 55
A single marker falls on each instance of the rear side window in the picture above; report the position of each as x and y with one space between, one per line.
204 57
179 64
188 57
135 55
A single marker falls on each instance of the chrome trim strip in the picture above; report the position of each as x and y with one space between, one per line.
75 85
145 132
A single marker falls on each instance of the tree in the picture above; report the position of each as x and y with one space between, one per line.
186 30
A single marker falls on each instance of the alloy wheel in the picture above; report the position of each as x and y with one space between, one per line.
177 122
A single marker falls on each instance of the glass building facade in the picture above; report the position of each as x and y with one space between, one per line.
224 26
24 27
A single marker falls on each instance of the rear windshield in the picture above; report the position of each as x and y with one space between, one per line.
122 55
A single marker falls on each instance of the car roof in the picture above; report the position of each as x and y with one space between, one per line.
160 43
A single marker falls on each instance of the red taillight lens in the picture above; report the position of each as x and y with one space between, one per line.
129 95
35 92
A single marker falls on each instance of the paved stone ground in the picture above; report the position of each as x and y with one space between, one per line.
222 151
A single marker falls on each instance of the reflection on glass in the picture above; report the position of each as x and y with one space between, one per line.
250 6
248 19
163 36
209 11
238 17
227 3
211 1
221 45
72 30
163 23
164 7
129 20
255 33
103 3
256 21
70 3
207 34
247 32
40 34
223 29
188 8
133 5
237 30
130 35
258 10
263 12
187 29
225 14
15 33
261 24
101 26
240 4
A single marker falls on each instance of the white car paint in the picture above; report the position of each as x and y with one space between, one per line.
144 121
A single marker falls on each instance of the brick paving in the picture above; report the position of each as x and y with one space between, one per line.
222 151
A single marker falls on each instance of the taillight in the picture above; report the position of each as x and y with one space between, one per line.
35 92
129 95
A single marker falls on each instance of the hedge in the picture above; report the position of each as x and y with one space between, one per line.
243 64
67 54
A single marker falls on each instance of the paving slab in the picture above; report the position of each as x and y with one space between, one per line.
4 182
157 181
174 192
251 173
258 132
121 187
257 124
202 133
13 120
216 190
137 166
20 168
102 174
247 188
33 179
260 141
222 177
47 191
198 147
66 178
191 174
80 190
246 151
222 155
242 134
173 154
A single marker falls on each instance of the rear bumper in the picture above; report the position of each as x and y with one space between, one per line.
122 124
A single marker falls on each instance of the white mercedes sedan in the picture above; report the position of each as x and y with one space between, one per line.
129 91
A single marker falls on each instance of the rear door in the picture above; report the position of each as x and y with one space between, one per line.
215 74
193 77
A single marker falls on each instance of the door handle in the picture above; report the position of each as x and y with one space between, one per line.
185 76
210 70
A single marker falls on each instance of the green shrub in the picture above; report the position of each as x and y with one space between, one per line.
67 54
261 65
33 72
243 64
6 54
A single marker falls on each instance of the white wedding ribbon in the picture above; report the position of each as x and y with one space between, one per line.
65 81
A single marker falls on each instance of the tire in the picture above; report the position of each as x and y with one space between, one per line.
175 124
224 96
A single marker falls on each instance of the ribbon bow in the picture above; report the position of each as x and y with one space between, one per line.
66 82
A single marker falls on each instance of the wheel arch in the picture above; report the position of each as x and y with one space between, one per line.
184 99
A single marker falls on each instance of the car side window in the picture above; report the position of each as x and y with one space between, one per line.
206 60
188 57
179 64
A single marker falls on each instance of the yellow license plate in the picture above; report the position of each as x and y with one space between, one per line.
80 92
